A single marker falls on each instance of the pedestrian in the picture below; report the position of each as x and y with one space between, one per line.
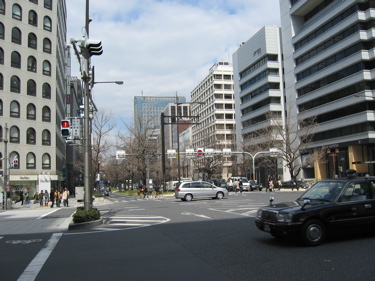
65 197
236 186
240 185
41 197
279 183
52 198
270 185
230 185
21 196
57 198
46 198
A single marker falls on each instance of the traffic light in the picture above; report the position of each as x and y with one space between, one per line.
90 47
15 163
65 128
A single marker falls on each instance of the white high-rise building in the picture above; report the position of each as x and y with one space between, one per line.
213 101
32 91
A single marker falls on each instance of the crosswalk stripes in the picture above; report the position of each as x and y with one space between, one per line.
112 223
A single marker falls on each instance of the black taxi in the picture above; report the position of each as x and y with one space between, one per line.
333 205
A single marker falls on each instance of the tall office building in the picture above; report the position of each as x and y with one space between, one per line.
32 87
148 109
213 101
328 49
259 93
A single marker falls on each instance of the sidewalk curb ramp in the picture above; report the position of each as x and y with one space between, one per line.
85 225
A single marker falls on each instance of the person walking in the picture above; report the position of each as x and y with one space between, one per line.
65 197
57 198
21 196
46 198
41 198
240 185
52 197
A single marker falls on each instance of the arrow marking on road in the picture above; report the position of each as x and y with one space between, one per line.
197 215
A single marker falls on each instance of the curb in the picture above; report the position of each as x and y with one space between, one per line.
85 225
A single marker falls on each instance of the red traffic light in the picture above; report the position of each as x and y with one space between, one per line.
65 124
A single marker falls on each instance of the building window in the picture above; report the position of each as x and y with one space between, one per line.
1 81
32 41
1 109
46 91
2 7
15 60
1 132
17 12
1 161
15 84
46 137
1 56
33 18
47 68
46 114
48 4
30 161
31 88
16 36
14 134
15 109
31 112
47 23
47 46
31 64
30 136
46 161
2 32
34 1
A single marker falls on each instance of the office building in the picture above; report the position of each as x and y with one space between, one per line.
328 49
32 87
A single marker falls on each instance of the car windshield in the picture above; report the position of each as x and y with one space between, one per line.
324 190
244 180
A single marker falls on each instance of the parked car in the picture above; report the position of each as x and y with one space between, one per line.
255 185
104 191
290 184
188 191
330 206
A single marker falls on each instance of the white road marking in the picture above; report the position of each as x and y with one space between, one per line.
37 263
197 215
44 215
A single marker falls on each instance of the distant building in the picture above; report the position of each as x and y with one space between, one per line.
216 128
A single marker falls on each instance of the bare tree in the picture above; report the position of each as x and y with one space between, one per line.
291 138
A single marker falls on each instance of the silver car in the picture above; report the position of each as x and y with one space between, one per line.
199 189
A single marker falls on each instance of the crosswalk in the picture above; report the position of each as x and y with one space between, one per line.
112 223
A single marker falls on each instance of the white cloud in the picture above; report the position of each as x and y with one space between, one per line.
162 47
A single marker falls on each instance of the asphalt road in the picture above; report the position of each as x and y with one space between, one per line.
167 239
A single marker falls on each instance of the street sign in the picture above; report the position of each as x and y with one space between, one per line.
120 154
200 151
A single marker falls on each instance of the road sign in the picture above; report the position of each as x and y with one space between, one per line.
200 151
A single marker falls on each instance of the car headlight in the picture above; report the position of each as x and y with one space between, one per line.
259 213
281 217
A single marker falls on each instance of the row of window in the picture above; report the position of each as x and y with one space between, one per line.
336 76
15 111
318 32
263 103
257 92
334 40
330 97
334 59
32 41
14 135
15 86
17 9
30 160
271 71
31 63
258 64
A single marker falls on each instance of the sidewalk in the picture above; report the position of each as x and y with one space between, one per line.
33 218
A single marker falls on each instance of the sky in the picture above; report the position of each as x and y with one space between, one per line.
162 47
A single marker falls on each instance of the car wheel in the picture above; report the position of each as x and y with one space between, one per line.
188 197
313 233
219 195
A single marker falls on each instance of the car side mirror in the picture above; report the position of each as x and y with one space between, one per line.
305 202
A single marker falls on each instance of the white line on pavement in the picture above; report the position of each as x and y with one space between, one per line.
37 263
